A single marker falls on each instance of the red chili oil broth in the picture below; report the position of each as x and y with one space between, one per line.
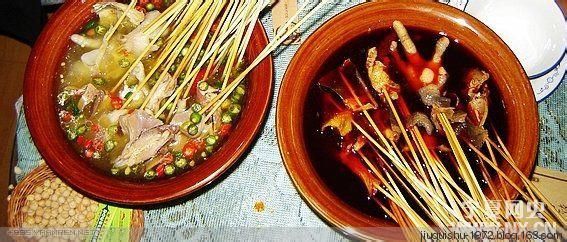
323 145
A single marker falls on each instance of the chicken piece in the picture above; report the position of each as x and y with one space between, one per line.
91 96
137 41
477 108
163 90
86 42
133 15
379 78
342 122
146 146
475 80
348 156
136 123
90 58
418 71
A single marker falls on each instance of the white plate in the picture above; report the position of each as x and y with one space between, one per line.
536 32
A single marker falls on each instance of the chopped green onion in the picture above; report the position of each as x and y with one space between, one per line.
240 90
152 81
182 76
226 118
124 63
209 149
236 98
113 129
234 109
181 163
210 140
109 145
173 68
81 129
150 174
99 81
127 171
71 135
193 129
204 154
100 30
195 118
225 104
169 169
185 125
203 85
196 107
150 6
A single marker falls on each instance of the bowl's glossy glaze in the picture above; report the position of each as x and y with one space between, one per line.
40 89
509 77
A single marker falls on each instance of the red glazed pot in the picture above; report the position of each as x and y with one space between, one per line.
507 75
40 89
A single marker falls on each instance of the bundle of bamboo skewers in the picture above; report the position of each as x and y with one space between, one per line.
204 35
410 173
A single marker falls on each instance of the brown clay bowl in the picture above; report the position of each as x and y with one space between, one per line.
39 102
508 75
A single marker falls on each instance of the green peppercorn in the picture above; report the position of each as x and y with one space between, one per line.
71 135
203 86
181 163
100 29
96 155
240 90
150 174
226 118
225 104
127 171
159 41
196 107
195 118
109 145
124 63
81 129
169 170
99 81
185 51
152 82
210 140
234 109
114 171
169 106
192 129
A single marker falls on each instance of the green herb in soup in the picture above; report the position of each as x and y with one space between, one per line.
133 100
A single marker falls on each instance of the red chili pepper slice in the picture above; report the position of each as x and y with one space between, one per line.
160 170
116 102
